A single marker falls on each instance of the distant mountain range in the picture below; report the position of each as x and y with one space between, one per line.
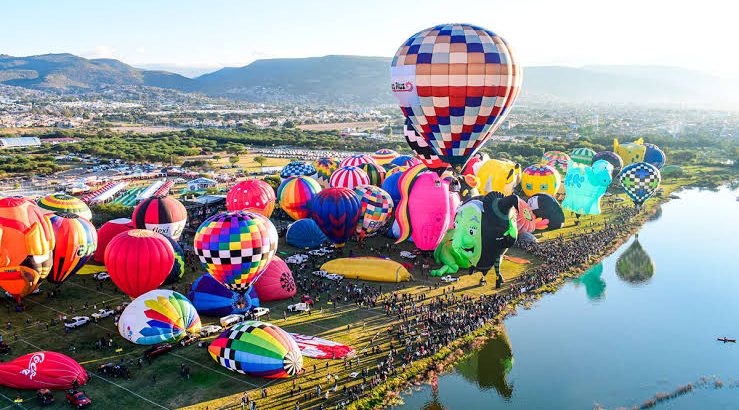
336 80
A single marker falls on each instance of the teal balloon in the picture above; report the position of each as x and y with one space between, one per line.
585 185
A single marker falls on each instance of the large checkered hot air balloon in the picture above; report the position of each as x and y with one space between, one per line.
377 208
456 83
640 181
257 349
235 247
421 147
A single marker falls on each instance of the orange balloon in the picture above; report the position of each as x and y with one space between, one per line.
19 281
26 235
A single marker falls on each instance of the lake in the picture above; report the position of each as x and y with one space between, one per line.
643 321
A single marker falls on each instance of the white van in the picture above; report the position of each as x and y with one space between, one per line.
230 320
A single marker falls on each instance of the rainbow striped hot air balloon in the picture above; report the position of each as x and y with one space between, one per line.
63 203
336 212
235 247
384 156
324 168
294 195
376 173
76 242
348 177
355 160
158 316
257 349
377 208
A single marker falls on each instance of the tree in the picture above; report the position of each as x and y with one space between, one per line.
288 124
233 159
261 161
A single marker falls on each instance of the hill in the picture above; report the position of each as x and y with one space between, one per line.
67 72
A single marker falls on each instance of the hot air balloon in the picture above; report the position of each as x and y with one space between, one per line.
178 268
356 160
336 211
304 233
235 247
583 156
635 266
376 209
253 195
456 83
161 214
384 156
298 169
294 195
653 155
392 187
19 281
423 211
63 203
585 185
276 283
474 163
631 152
498 175
107 232
348 177
42 370
612 159
640 181
376 173
158 316
257 349
324 168
558 160
540 179
420 146
211 298
548 211
405 161
26 235
76 241
139 261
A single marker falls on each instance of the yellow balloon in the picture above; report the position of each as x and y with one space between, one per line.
499 175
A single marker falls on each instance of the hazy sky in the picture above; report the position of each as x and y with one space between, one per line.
699 34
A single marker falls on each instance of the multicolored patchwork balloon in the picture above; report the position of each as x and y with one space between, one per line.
295 193
76 242
376 209
235 247
640 181
63 203
158 316
336 211
456 83
348 177
257 349
324 168
298 169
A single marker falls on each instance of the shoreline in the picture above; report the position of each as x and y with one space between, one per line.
425 370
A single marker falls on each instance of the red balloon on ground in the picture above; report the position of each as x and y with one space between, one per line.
139 261
252 195
107 232
42 370
276 282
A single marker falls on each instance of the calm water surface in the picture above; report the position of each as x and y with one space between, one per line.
643 321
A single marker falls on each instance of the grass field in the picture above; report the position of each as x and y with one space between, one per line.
212 386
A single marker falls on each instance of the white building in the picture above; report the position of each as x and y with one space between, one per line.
200 184
20 142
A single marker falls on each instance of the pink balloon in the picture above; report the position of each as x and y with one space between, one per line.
276 282
428 209
454 202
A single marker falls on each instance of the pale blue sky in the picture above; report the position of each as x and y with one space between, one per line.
698 34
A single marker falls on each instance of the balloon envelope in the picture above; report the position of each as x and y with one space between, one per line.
139 261
304 233
585 185
253 195
423 211
26 236
63 203
42 370
540 179
297 169
107 232
612 159
498 175
548 211
294 195
211 298
257 349
376 208
655 156
178 268
420 146
19 281
376 173
384 156
235 247
349 177
336 211
356 160
276 282
324 168
582 156
392 187
161 214
640 181
76 241
158 316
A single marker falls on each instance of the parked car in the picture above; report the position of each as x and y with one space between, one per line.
102 275
76 322
230 320
299 307
78 399
189 339
208 330
102 313
157 350
449 278
259 312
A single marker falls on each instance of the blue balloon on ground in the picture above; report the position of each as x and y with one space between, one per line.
304 233
211 298
390 185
